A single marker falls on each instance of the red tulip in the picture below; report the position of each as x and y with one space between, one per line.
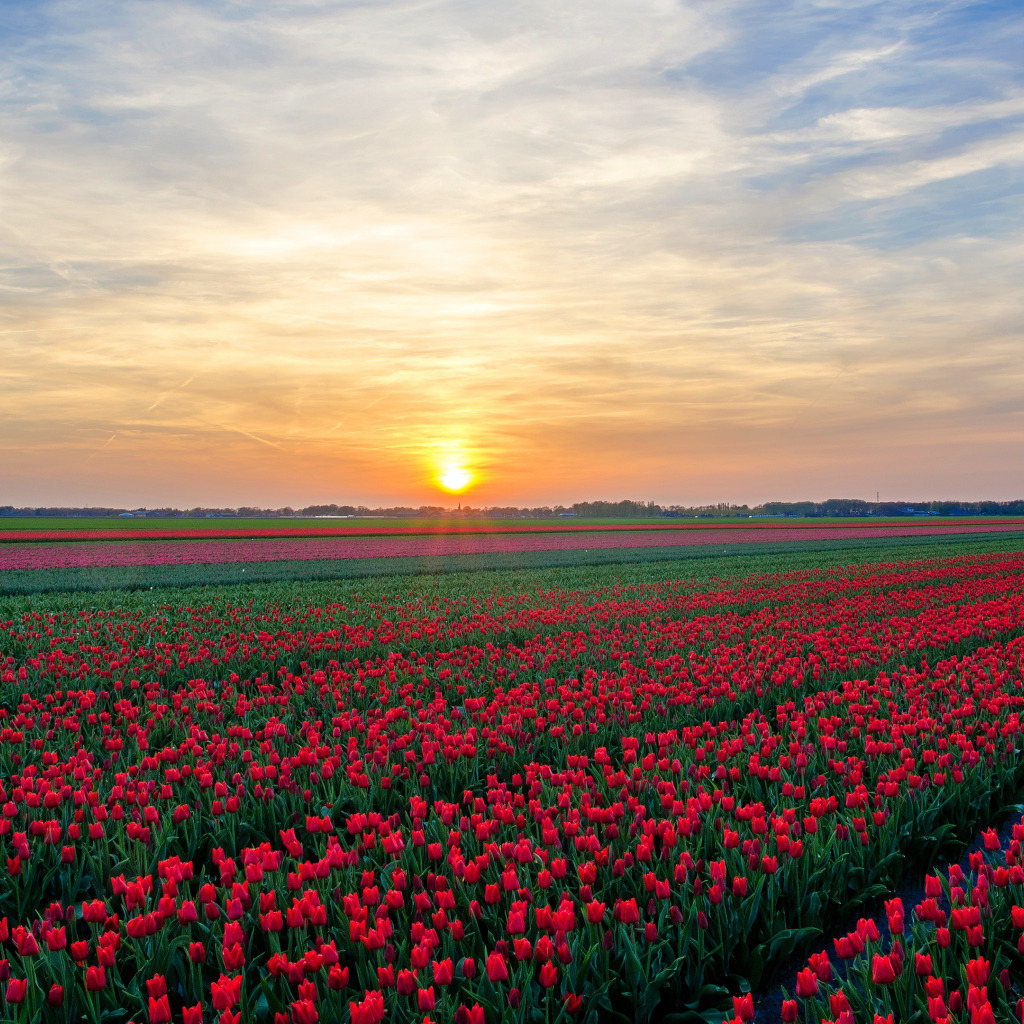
369 1011
496 969
806 984
743 1007
16 990
159 1010
977 971
304 1012
984 1014
882 972
25 942
233 957
226 992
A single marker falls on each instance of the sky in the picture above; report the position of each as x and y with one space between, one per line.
688 252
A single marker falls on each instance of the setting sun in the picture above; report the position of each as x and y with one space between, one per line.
455 478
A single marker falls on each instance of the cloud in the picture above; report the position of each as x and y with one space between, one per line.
679 247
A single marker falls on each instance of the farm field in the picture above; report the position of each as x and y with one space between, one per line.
72 559
622 792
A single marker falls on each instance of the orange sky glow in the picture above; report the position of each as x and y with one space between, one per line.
402 254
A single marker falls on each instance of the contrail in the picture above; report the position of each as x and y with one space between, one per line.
167 394
245 433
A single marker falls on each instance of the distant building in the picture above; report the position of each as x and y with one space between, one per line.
126 515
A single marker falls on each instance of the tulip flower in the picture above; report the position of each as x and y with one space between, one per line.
159 1010
226 992
977 971
743 1007
882 972
806 984
16 990
496 968
369 1011
303 1011
627 912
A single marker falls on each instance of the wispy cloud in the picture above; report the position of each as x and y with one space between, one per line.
679 250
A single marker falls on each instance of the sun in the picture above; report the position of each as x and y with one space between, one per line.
455 479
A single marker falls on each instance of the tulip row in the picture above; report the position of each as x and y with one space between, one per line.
960 958
508 806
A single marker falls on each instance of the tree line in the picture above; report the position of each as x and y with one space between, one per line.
625 509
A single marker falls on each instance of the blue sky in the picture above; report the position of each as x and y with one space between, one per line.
682 251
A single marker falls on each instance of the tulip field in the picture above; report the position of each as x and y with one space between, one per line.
487 801
47 553
103 557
